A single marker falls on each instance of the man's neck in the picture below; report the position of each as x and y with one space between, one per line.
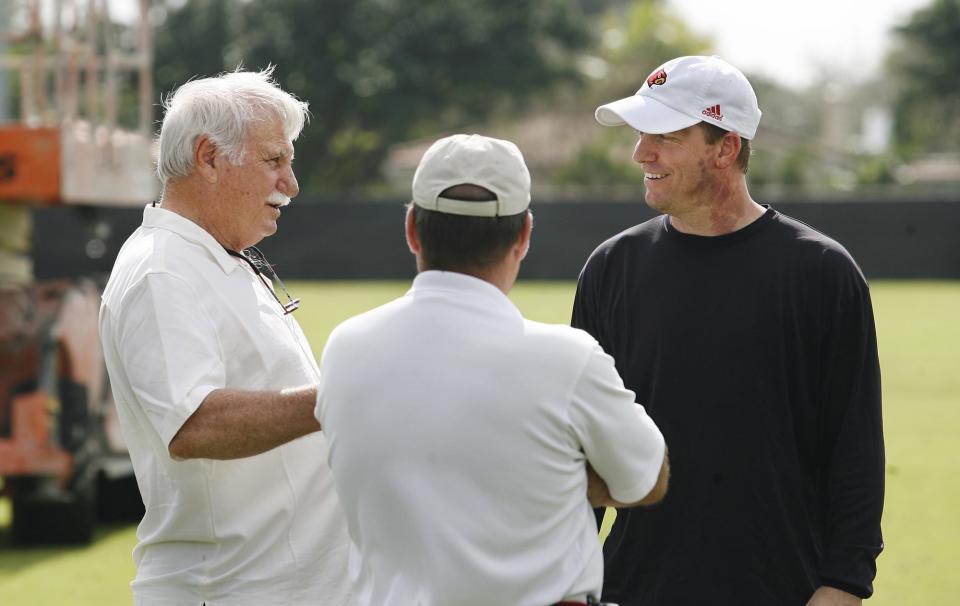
501 276
180 198
718 221
724 206
177 198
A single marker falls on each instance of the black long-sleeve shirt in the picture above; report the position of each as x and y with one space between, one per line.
755 353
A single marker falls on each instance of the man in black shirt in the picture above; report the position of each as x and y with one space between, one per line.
750 338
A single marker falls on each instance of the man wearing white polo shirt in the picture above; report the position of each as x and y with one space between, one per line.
461 434
213 378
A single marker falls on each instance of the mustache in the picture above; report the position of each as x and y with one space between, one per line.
278 199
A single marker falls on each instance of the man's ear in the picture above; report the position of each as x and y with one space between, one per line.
413 242
523 242
730 146
205 159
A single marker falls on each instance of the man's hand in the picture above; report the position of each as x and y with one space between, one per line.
830 596
597 492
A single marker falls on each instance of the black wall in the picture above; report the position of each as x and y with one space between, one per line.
364 240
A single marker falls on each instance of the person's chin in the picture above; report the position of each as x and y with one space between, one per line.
654 201
268 228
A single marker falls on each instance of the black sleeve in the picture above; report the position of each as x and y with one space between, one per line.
585 302
851 431
586 318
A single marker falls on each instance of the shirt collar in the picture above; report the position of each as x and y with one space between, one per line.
160 218
463 285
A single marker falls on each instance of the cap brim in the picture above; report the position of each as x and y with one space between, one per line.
644 114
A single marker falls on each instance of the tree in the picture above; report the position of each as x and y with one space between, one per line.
638 38
378 71
926 67
192 41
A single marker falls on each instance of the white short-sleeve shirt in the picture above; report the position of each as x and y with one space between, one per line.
459 434
180 317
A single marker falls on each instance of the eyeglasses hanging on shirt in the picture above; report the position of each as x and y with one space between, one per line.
260 266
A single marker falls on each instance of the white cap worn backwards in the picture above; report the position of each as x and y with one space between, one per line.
685 91
493 164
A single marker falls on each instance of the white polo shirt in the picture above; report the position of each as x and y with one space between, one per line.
459 433
180 317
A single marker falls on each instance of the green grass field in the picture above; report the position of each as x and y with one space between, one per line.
919 335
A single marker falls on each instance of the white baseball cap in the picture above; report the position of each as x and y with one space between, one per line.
493 164
685 91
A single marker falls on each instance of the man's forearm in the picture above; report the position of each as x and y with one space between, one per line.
599 495
232 424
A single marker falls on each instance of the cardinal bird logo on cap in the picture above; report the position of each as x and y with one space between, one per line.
658 77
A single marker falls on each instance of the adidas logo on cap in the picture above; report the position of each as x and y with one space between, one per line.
713 112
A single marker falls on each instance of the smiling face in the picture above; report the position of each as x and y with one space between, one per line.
679 170
249 195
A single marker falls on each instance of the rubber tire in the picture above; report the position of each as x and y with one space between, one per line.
119 500
43 520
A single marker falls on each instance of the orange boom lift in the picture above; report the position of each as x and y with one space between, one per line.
65 66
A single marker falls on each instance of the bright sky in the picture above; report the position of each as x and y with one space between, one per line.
797 43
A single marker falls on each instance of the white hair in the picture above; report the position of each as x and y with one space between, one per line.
222 107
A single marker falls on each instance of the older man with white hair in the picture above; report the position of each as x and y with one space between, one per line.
213 378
